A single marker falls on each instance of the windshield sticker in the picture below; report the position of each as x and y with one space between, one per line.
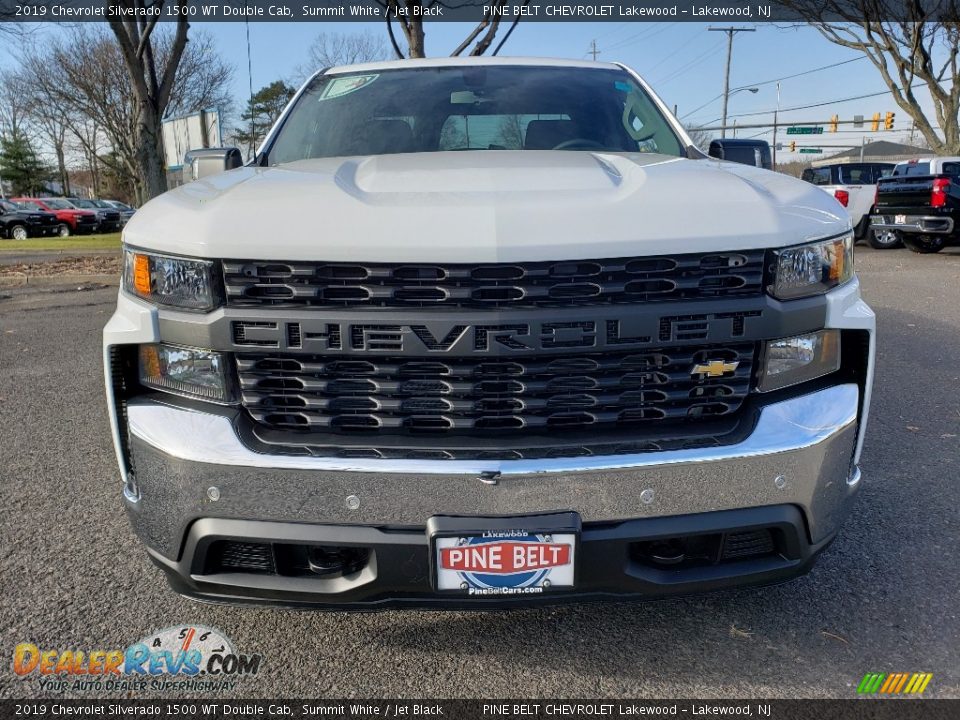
622 86
339 87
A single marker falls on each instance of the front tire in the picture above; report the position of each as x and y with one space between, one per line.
884 239
925 244
62 230
18 232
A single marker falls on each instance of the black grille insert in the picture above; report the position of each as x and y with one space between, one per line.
252 283
464 396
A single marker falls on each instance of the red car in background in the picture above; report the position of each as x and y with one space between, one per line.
70 220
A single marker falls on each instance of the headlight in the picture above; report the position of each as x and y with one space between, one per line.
170 280
185 371
812 269
797 359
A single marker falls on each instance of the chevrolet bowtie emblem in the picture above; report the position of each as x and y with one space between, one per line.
714 368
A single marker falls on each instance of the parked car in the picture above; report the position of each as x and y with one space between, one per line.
108 218
126 211
20 223
921 202
568 360
70 220
745 152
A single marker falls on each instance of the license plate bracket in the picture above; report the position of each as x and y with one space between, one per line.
504 556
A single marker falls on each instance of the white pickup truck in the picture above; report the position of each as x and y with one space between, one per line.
854 185
485 332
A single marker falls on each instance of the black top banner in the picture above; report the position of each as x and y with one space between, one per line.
544 709
712 11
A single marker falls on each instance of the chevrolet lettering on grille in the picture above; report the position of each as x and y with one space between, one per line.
318 335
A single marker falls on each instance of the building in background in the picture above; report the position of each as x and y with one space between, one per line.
879 151
188 132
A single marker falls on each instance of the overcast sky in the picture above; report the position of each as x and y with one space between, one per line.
684 62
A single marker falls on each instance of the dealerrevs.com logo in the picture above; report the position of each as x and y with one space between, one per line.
181 657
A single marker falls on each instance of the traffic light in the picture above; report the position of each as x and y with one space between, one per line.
876 122
793 146
833 123
888 121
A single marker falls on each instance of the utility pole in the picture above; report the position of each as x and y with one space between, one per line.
775 113
730 31
593 50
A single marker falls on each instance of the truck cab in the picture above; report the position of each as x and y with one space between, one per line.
745 152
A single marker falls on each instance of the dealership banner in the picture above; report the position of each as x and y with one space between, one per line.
507 11
486 709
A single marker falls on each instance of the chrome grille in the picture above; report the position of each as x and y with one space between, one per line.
254 283
399 395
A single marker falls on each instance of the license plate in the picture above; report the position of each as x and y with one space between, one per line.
899 219
505 561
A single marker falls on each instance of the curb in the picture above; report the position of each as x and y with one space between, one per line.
47 280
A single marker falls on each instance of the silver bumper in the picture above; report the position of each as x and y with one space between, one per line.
800 453
927 224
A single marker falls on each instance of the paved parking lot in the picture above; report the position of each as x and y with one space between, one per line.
883 598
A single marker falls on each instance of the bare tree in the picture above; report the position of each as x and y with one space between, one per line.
701 138
409 16
331 49
151 79
14 106
912 44
83 74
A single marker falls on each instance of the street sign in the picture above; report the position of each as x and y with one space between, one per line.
793 130
811 150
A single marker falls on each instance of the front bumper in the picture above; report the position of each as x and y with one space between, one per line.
795 472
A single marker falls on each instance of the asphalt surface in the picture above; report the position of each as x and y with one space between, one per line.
882 599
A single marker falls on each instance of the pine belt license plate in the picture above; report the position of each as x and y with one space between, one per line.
502 557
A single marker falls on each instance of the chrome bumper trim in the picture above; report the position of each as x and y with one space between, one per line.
933 224
786 426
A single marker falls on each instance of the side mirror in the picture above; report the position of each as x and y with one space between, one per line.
204 162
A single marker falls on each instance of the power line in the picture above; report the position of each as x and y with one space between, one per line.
808 72
775 80
713 50
618 28
666 58
630 39
821 104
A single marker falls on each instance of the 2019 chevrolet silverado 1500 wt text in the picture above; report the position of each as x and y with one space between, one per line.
531 346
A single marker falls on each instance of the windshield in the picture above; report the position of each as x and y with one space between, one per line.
57 204
83 204
478 107
8 206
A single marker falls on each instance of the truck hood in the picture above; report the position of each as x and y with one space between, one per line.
494 206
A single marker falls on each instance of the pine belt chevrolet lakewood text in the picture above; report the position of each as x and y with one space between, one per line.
505 336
